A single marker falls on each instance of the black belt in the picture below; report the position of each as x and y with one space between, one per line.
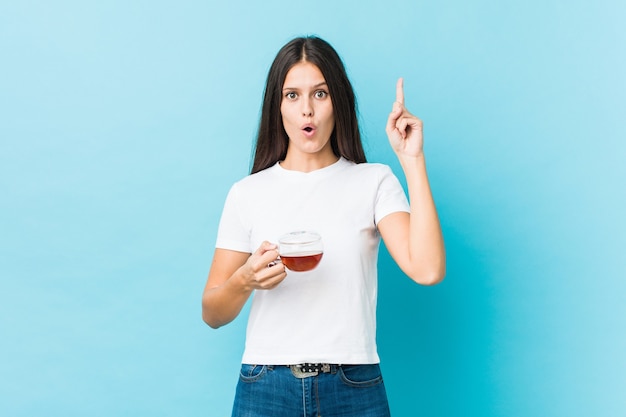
304 370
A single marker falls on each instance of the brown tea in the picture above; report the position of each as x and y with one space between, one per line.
303 261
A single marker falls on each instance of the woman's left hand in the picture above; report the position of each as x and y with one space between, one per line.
403 129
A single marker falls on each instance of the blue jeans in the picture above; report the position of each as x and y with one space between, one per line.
274 391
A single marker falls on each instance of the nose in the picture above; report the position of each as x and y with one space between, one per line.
307 108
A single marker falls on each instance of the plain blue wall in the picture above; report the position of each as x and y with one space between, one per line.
124 123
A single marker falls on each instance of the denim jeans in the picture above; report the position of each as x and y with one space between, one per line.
274 391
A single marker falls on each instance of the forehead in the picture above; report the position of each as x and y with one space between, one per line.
303 74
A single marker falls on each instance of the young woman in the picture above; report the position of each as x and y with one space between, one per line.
310 343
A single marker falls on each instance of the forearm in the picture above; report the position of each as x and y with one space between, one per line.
222 304
425 246
233 277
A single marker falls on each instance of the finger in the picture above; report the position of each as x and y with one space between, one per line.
401 125
263 248
269 278
269 256
413 121
260 260
273 282
276 263
400 91
396 112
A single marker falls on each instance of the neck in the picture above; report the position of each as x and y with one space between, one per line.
308 163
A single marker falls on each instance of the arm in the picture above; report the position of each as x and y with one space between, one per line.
414 240
233 277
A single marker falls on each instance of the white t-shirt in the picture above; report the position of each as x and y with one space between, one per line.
328 314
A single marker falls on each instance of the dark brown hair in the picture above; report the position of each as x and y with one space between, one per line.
272 140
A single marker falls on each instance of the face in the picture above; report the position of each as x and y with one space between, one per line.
307 110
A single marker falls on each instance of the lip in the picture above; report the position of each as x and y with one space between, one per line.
308 130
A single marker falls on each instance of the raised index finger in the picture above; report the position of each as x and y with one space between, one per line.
400 91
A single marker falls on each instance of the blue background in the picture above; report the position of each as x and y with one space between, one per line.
124 123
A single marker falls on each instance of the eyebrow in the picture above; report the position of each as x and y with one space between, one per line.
315 86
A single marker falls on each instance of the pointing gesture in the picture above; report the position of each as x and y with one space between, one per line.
403 129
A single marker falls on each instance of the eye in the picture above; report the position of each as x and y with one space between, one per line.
321 94
291 95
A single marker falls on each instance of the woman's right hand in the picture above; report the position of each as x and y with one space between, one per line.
263 269
233 277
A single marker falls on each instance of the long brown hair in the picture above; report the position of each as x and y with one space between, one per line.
272 140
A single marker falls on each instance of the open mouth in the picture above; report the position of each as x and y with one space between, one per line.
308 129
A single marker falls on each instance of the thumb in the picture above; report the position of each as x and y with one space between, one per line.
395 114
265 246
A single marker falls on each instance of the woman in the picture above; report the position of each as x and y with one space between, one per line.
310 342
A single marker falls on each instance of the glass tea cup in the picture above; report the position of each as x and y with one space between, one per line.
300 251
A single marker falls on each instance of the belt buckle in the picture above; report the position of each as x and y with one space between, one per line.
299 373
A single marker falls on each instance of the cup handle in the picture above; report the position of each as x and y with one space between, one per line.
275 262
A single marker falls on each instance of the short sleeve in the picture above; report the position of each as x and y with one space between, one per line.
232 233
391 197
